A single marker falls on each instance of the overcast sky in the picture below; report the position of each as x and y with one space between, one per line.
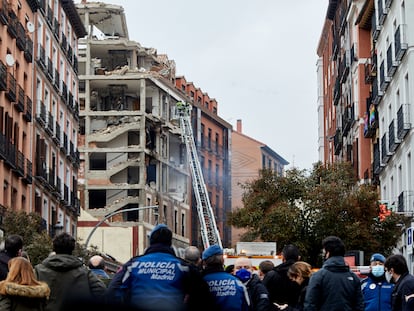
256 58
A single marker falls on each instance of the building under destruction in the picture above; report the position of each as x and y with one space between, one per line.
130 144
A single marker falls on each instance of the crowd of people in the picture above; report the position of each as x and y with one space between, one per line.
160 280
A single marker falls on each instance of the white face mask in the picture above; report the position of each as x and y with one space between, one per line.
388 276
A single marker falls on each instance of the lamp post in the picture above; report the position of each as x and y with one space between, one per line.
115 213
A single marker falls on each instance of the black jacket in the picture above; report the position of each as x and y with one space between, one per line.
259 297
334 288
403 287
281 289
4 268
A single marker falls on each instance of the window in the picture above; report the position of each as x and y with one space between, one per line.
183 224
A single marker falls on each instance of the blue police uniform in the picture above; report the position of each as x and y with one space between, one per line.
377 294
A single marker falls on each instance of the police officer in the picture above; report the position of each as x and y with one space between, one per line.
375 288
229 292
157 280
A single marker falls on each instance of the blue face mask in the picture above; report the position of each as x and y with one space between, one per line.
244 275
377 270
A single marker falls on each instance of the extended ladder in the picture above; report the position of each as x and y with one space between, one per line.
209 231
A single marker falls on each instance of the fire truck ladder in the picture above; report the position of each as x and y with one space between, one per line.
209 231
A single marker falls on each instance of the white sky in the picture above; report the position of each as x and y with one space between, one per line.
256 58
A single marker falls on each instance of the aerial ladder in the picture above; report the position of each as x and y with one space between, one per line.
208 227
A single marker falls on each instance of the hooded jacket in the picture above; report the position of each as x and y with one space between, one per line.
68 279
334 288
18 297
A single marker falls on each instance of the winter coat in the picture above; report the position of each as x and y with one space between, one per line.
158 280
403 287
259 297
18 297
377 293
334 288
229 292
4 261
69 280
282 289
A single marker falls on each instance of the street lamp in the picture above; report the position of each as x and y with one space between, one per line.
114 213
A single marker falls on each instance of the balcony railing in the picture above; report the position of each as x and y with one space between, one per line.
392 64
393 141
50 123
405 202
337 91
385 154
64 43
20 99
403 121
384 79
347 119
3 76
28 109
370 119
50 69
376 165
400 42
21 36
41 56
338 142
12 28
4 14
41 113
56 28
11 88
56 137
28 51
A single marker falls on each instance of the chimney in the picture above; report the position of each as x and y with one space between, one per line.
239 126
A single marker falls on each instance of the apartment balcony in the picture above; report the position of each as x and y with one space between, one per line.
41 58
58 188
393 141
382 12
20 161
28 106
4 14
41 113
400 42
56 80
50 70
11 88
12 27
392 64
375 28
368 72
64 145
3 76
64 43
384 79
403 121
21 36
49 16
7 152
56 28
370 119
348 119
343 68
50 124
28 51
337 91
385 153
353 53
70 54
376 93
64 94
337 142
20 99
56 137
75 64
406 202
28 176
377 166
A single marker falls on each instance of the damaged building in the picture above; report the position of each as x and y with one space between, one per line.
130 144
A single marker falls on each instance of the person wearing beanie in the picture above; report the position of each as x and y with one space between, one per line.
158 279
375 288
228 291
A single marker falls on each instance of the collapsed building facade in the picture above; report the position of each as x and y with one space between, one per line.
131 151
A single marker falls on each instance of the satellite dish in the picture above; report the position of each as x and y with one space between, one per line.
9 60
30 27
